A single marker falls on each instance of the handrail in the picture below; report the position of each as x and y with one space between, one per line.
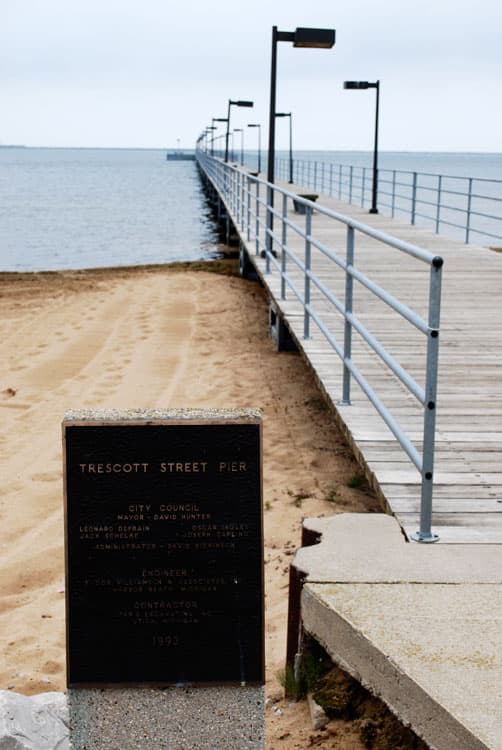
243 196
450 197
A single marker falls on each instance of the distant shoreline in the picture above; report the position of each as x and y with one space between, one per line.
298 152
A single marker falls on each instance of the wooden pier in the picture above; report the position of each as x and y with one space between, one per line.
467 501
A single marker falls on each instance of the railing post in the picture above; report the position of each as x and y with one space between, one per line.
424 534
322 177
257 220
362 187
243 200
350 183
340 168
269 240
468 220
235 193
315 176
414 198
283 248
308 263
331 179
237 190
393 192
347 334
248 213
438 206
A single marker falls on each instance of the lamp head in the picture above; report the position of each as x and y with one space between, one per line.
358 85
320 38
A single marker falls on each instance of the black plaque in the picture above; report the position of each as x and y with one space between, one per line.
164 553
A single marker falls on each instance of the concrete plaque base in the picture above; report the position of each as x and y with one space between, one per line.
227 718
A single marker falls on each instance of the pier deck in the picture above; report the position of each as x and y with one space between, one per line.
418 624
467 504
426 640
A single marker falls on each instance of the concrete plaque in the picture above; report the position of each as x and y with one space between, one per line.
164 548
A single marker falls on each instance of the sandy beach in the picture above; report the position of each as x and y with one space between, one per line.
151 337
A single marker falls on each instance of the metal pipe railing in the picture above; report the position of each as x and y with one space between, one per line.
459 203
239 192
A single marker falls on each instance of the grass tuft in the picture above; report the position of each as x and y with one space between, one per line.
357 481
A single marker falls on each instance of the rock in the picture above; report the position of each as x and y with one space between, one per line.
317 715
39 722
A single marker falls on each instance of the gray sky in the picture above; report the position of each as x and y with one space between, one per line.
131 73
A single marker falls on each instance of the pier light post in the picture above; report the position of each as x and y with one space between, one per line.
369 85
301 37
212 128
213 120
220 148
207 131
241 131
290 115
257 125
238 103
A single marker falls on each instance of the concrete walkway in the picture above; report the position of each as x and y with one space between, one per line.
419 625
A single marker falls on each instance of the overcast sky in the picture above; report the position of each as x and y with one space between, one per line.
146 73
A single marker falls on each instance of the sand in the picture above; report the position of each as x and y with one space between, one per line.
150 337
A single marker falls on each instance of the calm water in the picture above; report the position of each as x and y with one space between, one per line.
82 208
79 208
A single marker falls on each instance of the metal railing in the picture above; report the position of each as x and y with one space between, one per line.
461 206
249 202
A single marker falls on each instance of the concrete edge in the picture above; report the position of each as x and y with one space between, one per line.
354 653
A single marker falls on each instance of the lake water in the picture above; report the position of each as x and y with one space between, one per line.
82 208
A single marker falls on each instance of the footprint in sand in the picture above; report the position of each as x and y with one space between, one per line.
8 393
46 476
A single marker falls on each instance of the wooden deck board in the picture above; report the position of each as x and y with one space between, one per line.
468 468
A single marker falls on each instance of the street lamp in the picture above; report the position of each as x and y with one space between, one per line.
257 125
368 85
211 128
213 120
239 103
219 138
290 115
208 130
301 37
241 131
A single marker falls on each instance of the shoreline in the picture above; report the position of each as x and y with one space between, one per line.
226 256
213 266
